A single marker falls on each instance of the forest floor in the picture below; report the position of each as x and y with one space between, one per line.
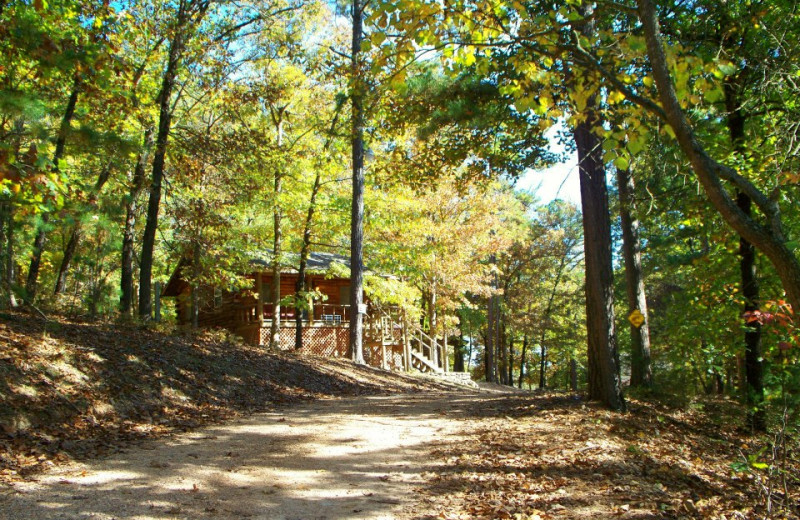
116 421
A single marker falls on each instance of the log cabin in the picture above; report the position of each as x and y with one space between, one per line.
389 341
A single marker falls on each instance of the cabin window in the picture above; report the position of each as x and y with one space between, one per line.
344 295
217 297
266 291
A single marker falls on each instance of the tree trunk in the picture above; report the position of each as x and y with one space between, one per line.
490 338
41 232
277 238
542 366
159 159
7 245
129 231
754 393
433 323
195 285
641 371
357 209
604 381
769 240
510 378
7 224
502 347
754 371
458 352
573 375
77 232
301 286
522 359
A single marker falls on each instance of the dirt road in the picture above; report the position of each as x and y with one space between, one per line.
358 458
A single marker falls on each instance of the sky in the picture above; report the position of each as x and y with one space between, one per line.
559 181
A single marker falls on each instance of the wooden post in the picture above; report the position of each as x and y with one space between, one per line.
259 303
445 359
158 301
310 304
434 349
195 307
406 344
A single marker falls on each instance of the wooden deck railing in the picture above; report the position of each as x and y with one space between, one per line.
323 313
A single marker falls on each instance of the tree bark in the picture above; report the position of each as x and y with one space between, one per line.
305 249
129 231
6 235
542 366
573 375
41 232
433 323
769 240
603 367
357 209
502 346
641 371
604 383
157 176
510 378
754 373
277 238
10 271
458 352
490 335
522 359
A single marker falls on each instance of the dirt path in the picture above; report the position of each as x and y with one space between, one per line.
354 458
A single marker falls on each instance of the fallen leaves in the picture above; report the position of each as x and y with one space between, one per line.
560 458
77 390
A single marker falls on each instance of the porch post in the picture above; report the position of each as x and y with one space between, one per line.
259 302
445 358
312 286
406 344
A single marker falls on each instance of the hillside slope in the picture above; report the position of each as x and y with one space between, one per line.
75 390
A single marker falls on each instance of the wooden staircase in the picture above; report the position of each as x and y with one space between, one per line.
421 351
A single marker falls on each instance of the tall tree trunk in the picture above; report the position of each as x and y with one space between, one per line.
195 285
522 359
754 372
604 380
6 235
9 267
502 347
458 352
157 176
573 374
641 371
768 239
305 249
357 88
433 323
7 224
277 237
510 378
542 366
41 232
604 383
77 232
491 335
129 231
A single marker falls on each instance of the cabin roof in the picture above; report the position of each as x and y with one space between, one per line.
318 262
